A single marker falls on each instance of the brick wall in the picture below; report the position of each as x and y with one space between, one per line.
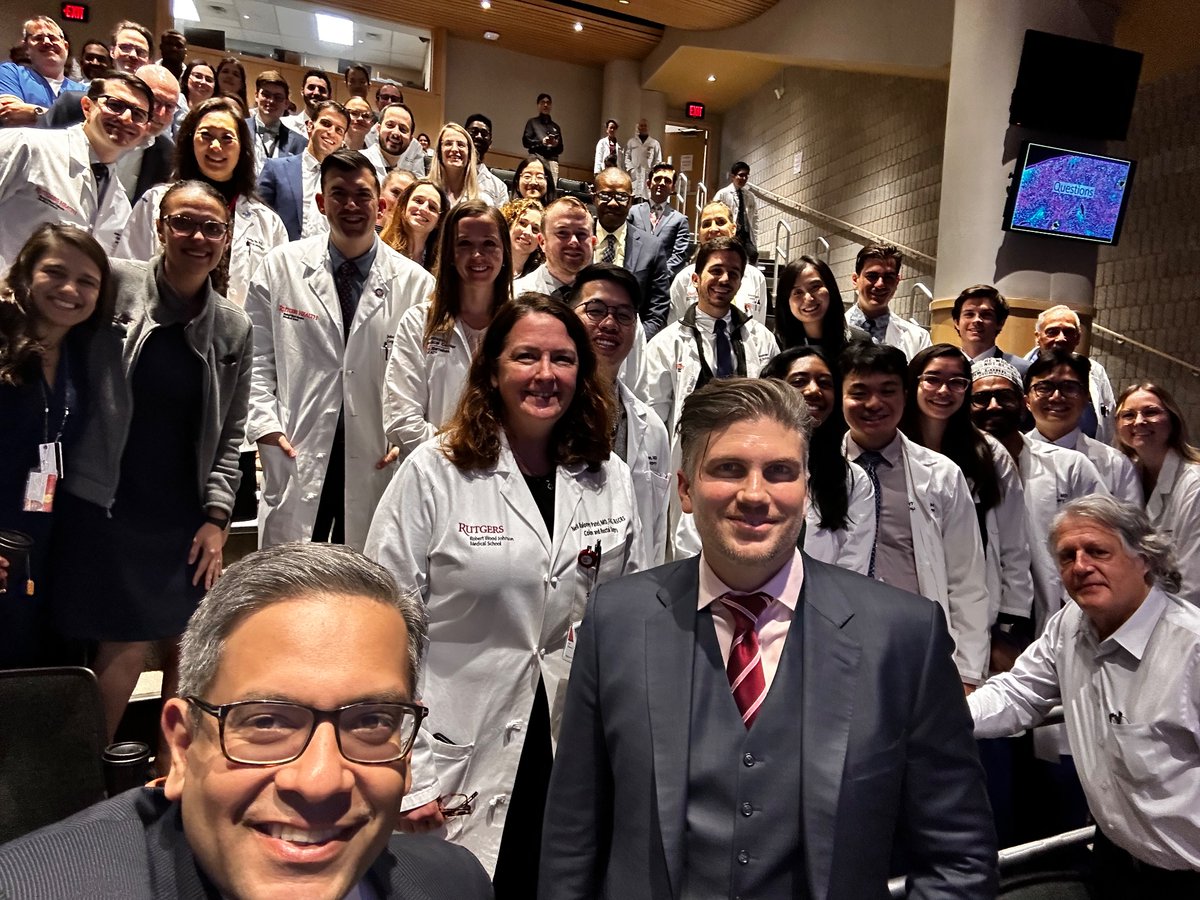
1148 285
872 156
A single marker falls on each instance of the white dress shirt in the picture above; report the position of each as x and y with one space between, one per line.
314 220
772 626
1132 709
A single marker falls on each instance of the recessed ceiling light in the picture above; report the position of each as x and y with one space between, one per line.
245 17
491 35
485 4
334 30
578 26
185 9
712 77
623 2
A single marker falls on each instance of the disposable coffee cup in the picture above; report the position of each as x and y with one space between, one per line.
126 765
15 547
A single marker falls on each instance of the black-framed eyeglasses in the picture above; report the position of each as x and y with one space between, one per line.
276 732
1006 397
934 383
452 805
186 226
612 197
597 312
1072 390
119 107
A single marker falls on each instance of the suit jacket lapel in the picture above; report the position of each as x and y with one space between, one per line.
831 659
670 647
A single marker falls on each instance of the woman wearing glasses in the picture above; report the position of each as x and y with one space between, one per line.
937 415
435 340
1151 431
454 167
504 524
213 145
532 181
48 304
362 117
143 516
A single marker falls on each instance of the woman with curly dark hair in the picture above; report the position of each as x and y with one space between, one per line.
52 289
504 523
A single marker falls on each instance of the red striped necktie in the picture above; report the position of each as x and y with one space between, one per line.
745 669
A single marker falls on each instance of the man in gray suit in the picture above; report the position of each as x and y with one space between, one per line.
289 742
752 722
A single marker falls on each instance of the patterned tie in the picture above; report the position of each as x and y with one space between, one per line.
870 461
874 329
609 254
724 350
345 280
656 212
745 669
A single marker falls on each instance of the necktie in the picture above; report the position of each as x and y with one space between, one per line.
101 173
656 212
724 350
875 329
870 460
345 280
745 669
609 253
742 230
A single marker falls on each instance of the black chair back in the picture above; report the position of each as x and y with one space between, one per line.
52 740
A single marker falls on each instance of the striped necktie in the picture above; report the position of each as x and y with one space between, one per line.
745 669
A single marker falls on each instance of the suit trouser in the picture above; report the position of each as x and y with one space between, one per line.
330 525
1118 875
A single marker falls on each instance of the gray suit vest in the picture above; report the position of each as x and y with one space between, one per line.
744 787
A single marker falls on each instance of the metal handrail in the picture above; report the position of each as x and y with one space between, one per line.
781 259
681 191
806 211
1010 857
1125 339
701 202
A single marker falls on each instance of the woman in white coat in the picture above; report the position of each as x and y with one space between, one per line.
938 416
435 340
1151 431
213 145
504 524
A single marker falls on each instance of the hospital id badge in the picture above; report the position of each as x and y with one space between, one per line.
569 649
39 491
50 458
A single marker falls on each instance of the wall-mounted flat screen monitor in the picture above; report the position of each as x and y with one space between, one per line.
1069 194
1075 88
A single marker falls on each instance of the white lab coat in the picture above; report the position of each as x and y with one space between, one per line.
673 363
1174 509
1053 476
848 547
256 230
949 553
640 157
648 455
751 296
305 371
1103 402
602 154
424 379
1119 474
503 595
1007 555
46 176
908 336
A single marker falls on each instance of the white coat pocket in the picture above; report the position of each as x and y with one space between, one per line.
278 470
453 763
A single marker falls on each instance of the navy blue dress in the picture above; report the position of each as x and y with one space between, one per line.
33 413
125 576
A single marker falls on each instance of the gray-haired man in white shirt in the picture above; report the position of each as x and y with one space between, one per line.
1124 660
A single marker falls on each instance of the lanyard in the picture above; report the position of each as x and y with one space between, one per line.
68 402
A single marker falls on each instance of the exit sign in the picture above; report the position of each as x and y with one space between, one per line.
75 12
694 111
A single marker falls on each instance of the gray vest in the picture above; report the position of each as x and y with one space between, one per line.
743 809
